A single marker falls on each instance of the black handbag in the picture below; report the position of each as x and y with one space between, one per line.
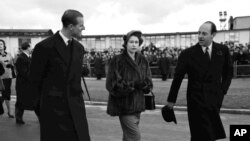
149 101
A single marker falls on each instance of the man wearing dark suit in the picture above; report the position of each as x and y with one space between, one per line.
25 99
210 70
55 71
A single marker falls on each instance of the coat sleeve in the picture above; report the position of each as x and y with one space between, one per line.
21 69
37 68
180 71
227 73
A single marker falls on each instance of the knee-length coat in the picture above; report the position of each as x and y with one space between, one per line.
55 73
25 98
208 82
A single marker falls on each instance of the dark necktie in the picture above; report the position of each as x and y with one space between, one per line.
69 43
207 54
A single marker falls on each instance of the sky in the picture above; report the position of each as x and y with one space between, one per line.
120 16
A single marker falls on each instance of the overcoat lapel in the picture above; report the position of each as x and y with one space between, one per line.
61 48
214 58
75 54
200 58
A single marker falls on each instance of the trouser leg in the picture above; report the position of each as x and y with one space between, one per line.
130 127
18 112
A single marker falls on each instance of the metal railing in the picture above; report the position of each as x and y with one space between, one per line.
239 71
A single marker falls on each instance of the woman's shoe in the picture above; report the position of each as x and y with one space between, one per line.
10 116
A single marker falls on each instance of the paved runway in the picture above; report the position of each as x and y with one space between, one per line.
106 128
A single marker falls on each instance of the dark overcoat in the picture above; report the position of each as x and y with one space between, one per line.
56 79
164 65
25 98
123 73
99 66
208 82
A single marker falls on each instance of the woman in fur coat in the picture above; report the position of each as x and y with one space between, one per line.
128 79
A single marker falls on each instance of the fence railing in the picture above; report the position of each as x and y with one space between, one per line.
239 71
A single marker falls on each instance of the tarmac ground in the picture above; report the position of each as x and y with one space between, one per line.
106 128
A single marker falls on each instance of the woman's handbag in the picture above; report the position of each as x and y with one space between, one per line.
149 101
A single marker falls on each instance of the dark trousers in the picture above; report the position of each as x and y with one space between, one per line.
19 111
7 91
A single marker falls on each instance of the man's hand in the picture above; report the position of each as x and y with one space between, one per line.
170 105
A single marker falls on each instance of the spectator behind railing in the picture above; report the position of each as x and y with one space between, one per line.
243 56
240 53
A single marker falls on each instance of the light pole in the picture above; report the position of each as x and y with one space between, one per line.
223 18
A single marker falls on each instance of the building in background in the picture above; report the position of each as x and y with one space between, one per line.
242 22
15 37
163 40
239 33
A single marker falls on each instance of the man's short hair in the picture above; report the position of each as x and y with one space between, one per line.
25 45
213 26
70 16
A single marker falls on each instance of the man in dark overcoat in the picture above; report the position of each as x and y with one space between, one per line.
164 66
25 99
99 66
210 70
55 72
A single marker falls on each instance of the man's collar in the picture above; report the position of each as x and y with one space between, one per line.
26 53
210 46
65 39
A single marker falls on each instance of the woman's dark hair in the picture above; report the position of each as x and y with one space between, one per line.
70 16
4 46
136 33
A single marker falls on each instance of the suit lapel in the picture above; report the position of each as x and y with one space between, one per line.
61 48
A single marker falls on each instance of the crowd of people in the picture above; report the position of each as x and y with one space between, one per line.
240 53
161 59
